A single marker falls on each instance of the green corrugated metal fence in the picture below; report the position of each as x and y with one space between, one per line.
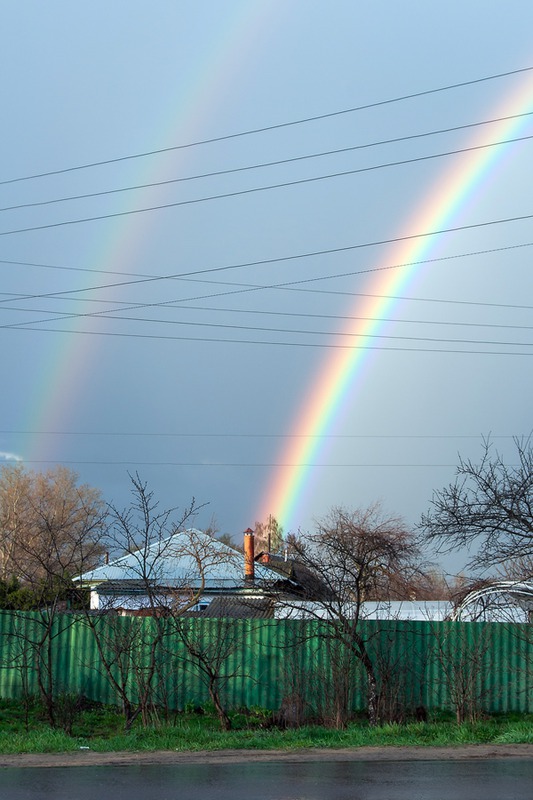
264 662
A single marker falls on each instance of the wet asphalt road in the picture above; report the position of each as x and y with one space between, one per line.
510 779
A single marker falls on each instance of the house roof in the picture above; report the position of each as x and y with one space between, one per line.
236 607
310 584
188 558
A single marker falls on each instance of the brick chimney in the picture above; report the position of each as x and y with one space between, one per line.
249 563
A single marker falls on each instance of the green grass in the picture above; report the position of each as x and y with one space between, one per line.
101 729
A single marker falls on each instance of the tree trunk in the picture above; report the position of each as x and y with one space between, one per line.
221 712
371 681
130 714
372 694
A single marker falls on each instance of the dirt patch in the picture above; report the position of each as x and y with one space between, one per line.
91 758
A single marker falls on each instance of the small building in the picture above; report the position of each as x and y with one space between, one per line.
187 571
422 610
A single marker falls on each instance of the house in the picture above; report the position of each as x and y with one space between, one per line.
198 575
188 571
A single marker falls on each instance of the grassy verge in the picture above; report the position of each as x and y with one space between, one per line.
100 729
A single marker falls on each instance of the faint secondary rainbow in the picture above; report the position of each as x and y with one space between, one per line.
341 373
62 376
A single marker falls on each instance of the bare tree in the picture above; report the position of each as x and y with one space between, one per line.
465 654
15 505
50 530
353 557
129 646
430 583
208 653
164 569
488 509
50 526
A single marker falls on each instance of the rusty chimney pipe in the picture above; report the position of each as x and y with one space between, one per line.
249 562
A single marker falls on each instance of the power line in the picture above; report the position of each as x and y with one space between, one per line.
268 128
295 331
280 162
351 247
307 345
343 317
65 268
227 435
287 285
256 189
226 464
262 312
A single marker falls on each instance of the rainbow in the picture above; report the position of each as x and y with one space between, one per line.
340 374
61 374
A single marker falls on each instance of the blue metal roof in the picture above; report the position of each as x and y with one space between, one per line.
189 558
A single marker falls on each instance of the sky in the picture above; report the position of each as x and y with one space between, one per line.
215 253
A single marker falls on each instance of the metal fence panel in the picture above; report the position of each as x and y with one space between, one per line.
266 662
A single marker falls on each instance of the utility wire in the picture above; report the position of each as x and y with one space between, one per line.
277 126
291 331
352 247
256 189
287 286
262 312
320 345
186 276
256 435
435 300
280 162
224 464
